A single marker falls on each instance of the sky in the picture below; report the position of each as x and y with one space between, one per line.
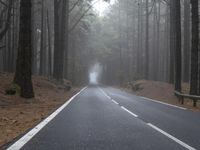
101 6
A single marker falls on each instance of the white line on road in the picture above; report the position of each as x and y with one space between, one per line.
164 103
109 97
115 102
171 137
104 93
129 112
27 137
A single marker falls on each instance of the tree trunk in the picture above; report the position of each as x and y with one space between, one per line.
147 42
121 71
61 38
194 49
138 42
65 36
23 68
172 41
56 39
42 41
186 61
178 56
49 47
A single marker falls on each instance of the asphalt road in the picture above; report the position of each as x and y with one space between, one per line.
104 118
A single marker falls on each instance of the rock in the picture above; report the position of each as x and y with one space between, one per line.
13 89
135 86
67 84
10 92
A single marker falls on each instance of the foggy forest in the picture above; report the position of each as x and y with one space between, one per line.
50 49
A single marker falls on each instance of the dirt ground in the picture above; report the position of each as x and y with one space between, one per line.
162 91
17 115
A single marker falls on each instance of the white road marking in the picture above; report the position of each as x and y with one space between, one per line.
115 102
129 112
164 103
171 137
27 137
108 96
104 93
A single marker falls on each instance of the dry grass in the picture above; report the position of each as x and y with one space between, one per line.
17 114
164 92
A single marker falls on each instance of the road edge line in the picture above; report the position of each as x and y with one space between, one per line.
156 101
171 137
28 136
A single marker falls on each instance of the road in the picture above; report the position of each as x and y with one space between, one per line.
105 118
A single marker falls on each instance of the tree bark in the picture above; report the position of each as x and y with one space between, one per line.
147 42
186 61
42 41
178 56
172 41
23 68
61 39
194 49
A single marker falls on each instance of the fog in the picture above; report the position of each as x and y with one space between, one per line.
95 74
115 42
50 49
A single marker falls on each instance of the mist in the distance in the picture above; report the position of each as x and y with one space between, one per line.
95 73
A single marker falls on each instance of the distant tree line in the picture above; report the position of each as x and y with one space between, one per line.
150 39
135 39
35 38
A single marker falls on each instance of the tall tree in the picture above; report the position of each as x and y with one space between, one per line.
23 68
178 55
42 43
61 37
186 53
121 69
172 40
147 41
56 39
194 49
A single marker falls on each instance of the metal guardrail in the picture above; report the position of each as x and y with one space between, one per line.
181 97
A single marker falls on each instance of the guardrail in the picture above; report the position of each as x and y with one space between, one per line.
181 97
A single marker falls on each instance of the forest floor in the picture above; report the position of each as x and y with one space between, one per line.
17 114
161 91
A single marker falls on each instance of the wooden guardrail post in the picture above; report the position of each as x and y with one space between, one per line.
194 103
181 97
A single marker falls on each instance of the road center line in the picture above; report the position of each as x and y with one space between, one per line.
171 137
104 93
115 102
164 103
129 111
27 137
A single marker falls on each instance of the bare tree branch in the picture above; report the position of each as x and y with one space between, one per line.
82 16
74 5
6 25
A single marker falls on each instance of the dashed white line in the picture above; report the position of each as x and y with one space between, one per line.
109 97
104 93
153 126
171 137
164 103
27 137
118 104
129 111
115 102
